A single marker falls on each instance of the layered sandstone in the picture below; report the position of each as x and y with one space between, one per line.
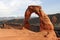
45 23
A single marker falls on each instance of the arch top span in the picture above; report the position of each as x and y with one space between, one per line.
45 23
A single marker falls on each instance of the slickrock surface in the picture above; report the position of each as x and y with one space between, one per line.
24 34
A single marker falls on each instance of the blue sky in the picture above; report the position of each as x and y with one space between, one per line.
17 8
51 6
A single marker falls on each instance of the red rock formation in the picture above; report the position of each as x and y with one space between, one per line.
45 23
46 27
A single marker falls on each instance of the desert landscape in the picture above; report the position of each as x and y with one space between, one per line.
16 30
29 19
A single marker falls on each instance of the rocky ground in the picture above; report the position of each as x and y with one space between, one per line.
24 34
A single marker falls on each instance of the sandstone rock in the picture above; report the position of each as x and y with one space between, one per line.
46 27
45 23
14 34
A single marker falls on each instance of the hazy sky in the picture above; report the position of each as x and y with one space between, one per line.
18 7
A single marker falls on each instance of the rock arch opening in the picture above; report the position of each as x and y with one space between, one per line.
34 19
45 23
34 22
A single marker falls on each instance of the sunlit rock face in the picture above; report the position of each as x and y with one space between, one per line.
45 23
14 34
46 27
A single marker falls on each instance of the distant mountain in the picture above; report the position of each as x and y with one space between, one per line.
34 20
8 18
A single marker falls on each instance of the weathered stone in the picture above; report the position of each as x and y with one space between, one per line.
45 23
46 27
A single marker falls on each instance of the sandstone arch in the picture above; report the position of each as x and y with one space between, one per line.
45 23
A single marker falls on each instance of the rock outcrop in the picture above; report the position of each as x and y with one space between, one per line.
45 24
14 34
